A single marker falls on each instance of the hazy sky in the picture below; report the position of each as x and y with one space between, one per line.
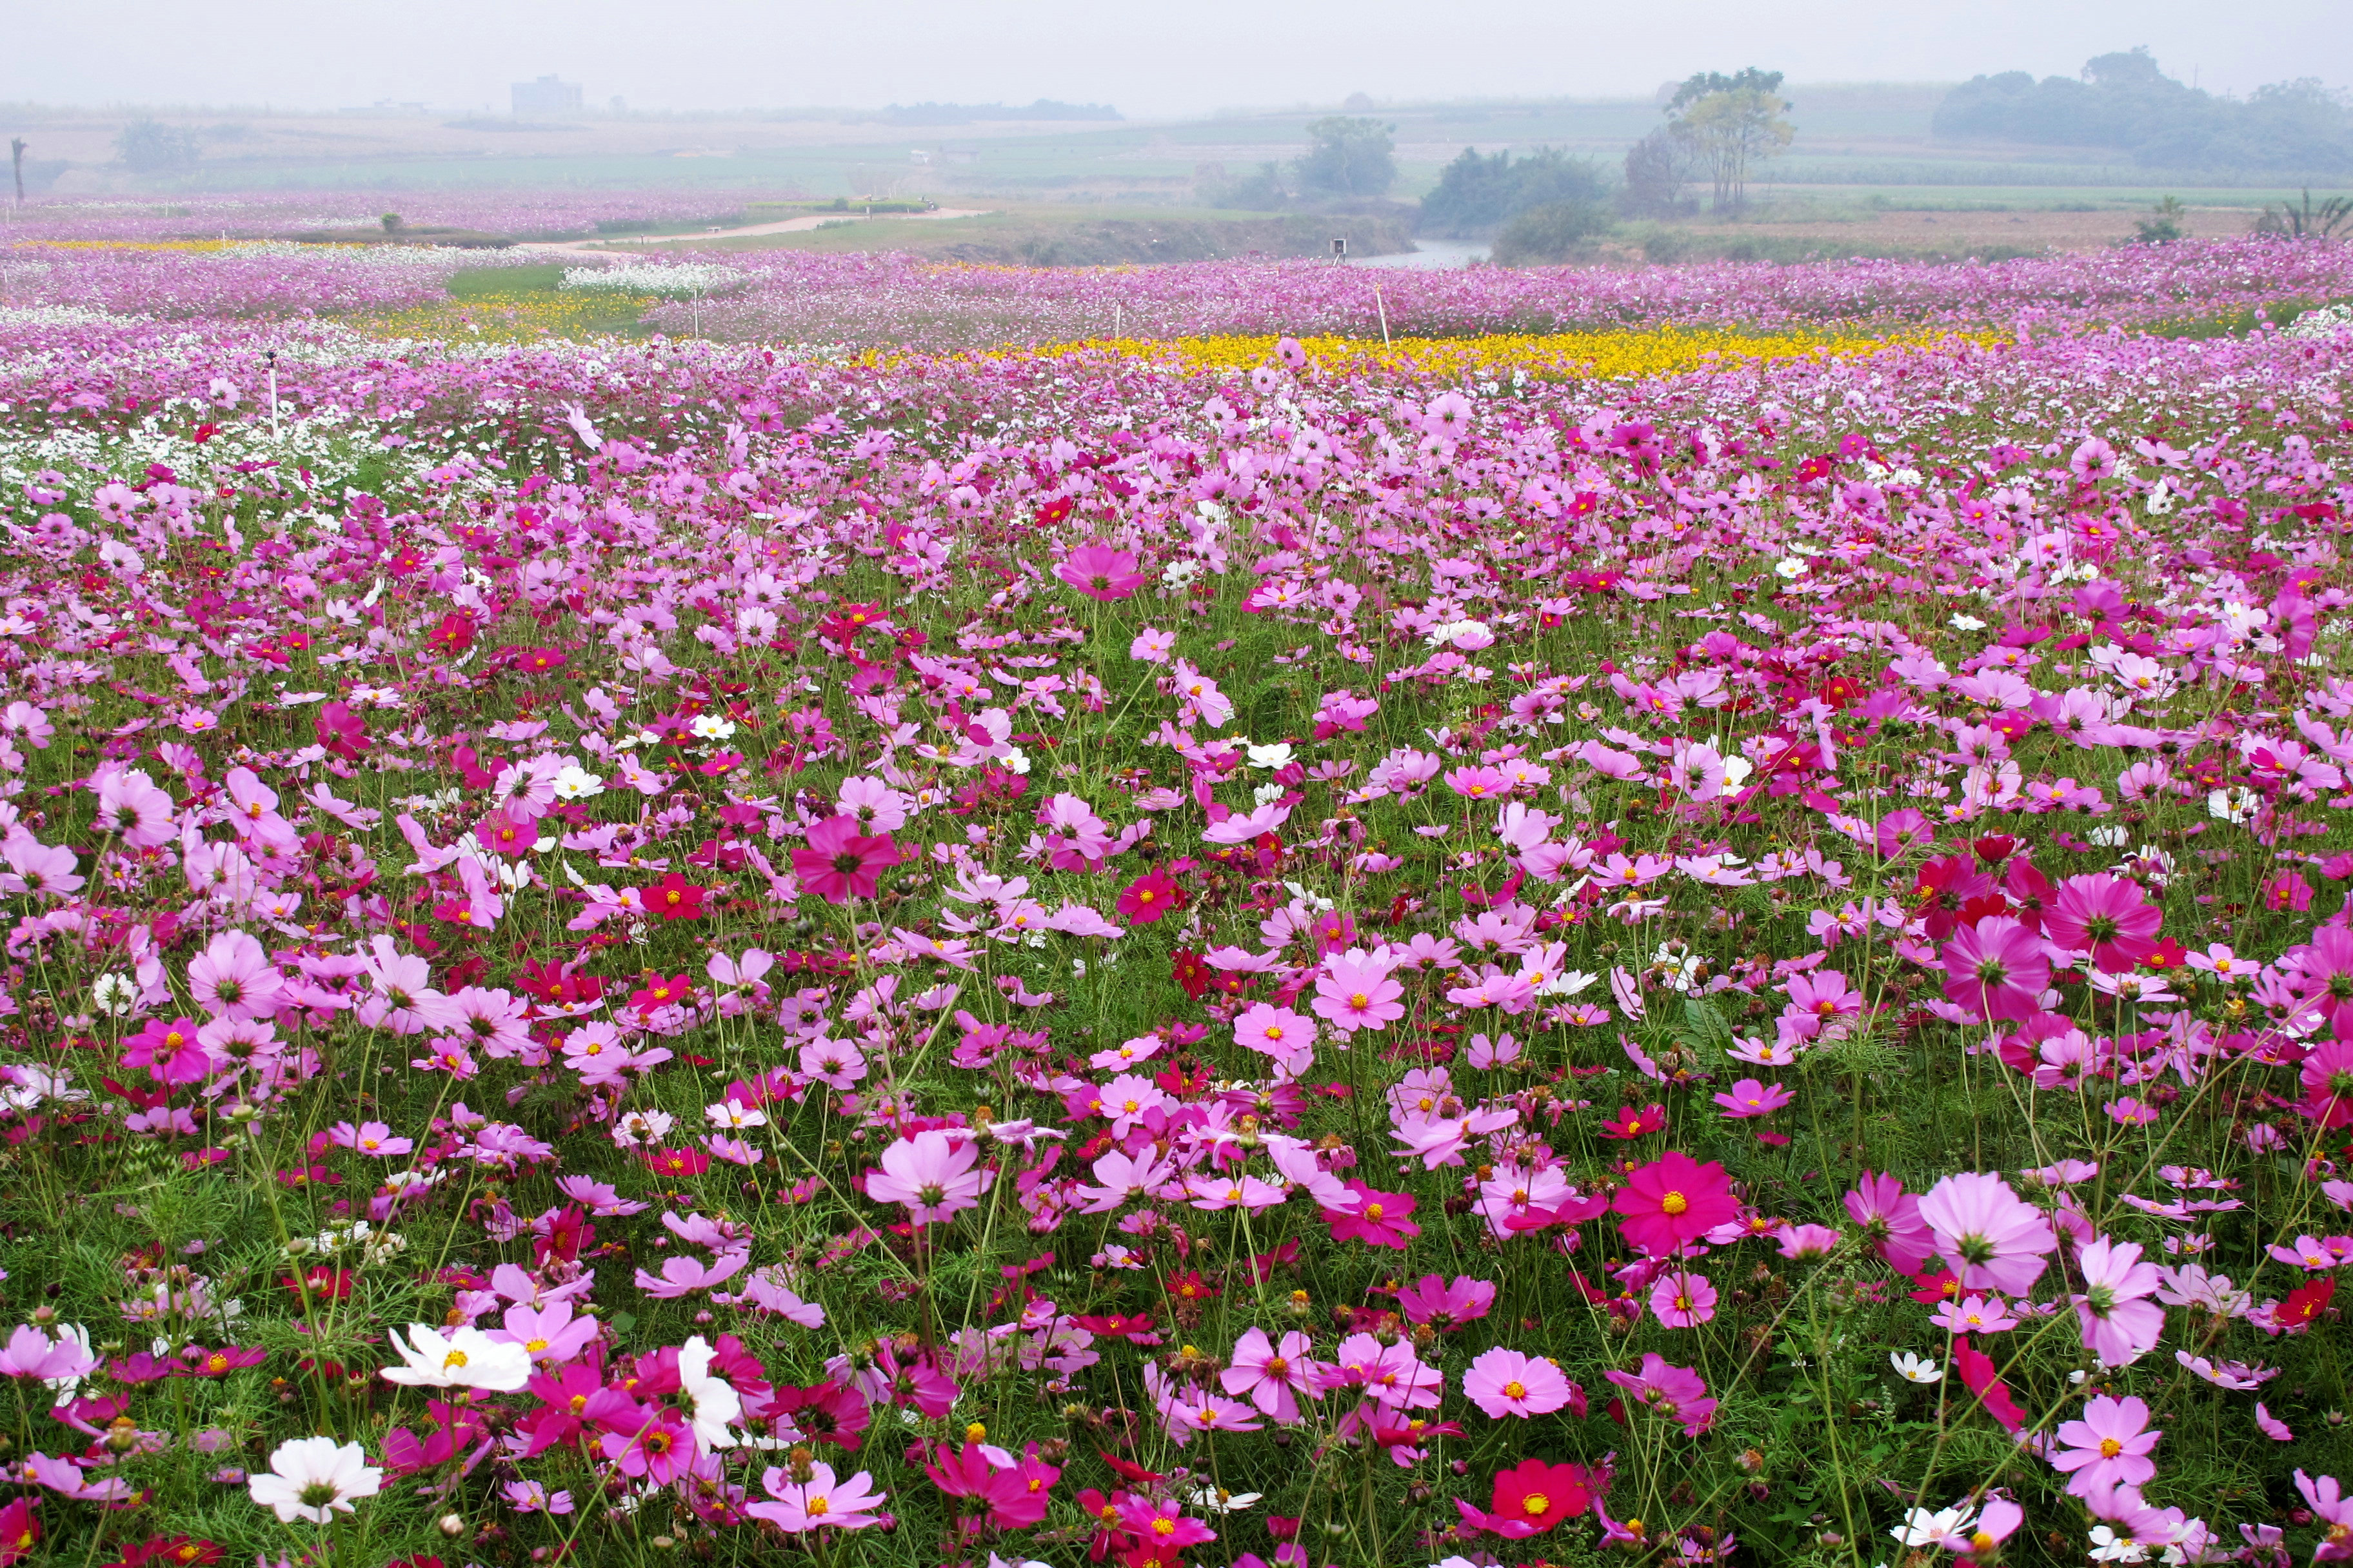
1150 61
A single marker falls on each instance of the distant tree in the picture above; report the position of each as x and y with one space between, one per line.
2124 101
1477 194
1551 233
1729 124
1266 190
1347 156
392 222
1657 169
152 147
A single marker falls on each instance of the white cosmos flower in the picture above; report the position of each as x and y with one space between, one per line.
1272 756
315 1478
733 1114
1791 567
1966 623
577 783
1922 1528
715 1400
2234 805
468 1358
1915 1369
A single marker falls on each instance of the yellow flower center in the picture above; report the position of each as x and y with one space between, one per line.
454 1359
1163 1527
1674 1203
2110 1448
818 1507
1373 1212
1515 1390
1358 1000
1535 1503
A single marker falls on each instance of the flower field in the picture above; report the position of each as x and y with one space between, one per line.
950 915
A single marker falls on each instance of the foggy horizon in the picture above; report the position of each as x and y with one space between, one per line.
711 56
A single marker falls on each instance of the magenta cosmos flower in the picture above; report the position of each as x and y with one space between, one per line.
1149 897
1431 1300
1995 969
1987 1234
1355 991
931 1173
2108 1447
1382 1219
2104 915
1100 572
1505 1382
1671 1201
841 864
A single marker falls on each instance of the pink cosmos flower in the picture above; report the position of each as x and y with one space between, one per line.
1680 1301
2108 1447
1271 1376
1100 572
1278 1033
822 1501
1992 1239
2328 1082
131 807
2105 915
1750 1098
1890 1218
840 863
233 978
931 1173
1800 1243
1505 1382
2120 1324
29 1353
1676 1393
1996 969
1355 992
682 1275
1974 1315
2329 1500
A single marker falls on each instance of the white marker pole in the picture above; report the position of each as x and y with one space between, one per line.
273 394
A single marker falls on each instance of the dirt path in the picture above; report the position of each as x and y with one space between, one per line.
605 250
